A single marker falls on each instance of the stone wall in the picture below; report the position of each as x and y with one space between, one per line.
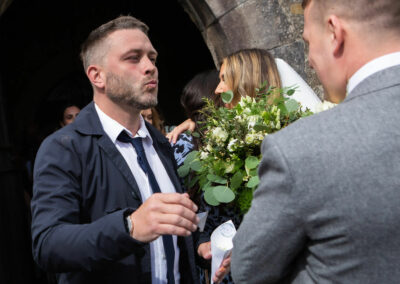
276 25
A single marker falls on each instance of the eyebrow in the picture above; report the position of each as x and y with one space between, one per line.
138 50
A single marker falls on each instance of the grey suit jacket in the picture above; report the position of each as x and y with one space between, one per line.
327 209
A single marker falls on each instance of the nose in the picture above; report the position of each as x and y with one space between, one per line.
219 90
149 66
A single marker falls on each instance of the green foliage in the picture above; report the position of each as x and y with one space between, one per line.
225 167
227 97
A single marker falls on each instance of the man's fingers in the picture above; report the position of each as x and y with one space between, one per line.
177 221
176 198
180 211
168 229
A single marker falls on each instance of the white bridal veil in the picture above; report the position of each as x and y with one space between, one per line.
290 78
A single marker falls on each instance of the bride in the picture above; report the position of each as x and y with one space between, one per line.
242 72
245 70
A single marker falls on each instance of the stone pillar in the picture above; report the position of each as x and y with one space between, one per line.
276 25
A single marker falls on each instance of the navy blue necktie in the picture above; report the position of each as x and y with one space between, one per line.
144 164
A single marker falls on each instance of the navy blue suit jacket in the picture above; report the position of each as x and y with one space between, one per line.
83 188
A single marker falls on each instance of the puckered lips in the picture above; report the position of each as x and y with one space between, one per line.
151 84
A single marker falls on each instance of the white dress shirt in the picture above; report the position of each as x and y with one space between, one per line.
375 65
112 128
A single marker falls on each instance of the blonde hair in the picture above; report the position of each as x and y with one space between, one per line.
247 69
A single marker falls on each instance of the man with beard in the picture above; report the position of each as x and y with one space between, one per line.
108 205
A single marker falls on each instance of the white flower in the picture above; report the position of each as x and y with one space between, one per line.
232 145
220 134
249 138
247 110
203 155
325 105
252 120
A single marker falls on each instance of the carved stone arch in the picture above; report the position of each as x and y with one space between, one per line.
230 25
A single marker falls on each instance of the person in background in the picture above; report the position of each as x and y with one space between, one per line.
327 206
200 87
68 114
153 116
108 205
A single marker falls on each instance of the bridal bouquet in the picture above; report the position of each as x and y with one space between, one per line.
225 167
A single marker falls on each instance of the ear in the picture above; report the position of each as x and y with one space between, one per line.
337 34
96 76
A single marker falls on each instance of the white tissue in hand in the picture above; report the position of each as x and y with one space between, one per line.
221 244
203 218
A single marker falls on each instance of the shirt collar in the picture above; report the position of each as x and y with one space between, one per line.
113 128
372 67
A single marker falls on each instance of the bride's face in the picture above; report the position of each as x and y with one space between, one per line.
222 86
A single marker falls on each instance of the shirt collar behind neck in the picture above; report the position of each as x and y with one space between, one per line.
113 128
376 65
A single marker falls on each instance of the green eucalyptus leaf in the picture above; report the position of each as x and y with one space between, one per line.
253 182
283 109
216 179
210 198
196 166
237 180
190 157
290 92
292 105
253 172
223 194
196 134
227 96
183 170
251 162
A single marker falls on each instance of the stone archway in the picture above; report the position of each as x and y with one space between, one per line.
231 25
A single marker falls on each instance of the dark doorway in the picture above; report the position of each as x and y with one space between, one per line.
40 70
40 43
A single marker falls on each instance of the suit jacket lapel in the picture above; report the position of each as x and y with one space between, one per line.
115 156
88 123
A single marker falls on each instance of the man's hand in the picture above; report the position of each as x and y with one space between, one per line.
188 124
164 214
204 250
222 270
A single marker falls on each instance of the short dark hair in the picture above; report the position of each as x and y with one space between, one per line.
381 15
97 36
202 86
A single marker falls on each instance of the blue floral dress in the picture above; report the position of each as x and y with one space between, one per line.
183 146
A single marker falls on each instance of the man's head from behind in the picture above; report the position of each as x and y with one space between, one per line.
343 35
119 60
